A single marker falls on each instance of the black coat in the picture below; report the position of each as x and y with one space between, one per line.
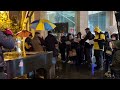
29 42
50 42
89 36
62 47
62 44
116 60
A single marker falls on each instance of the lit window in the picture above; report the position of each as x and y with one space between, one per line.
97 18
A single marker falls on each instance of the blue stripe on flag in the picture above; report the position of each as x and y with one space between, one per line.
47 26
34 25
36 21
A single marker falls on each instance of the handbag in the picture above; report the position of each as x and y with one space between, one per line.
74 53
108 52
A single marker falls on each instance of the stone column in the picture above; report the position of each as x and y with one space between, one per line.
111 20
40 15
36 15
108 21
32 19
43 16
77 21
81 21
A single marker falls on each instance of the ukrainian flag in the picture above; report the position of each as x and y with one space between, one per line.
42 25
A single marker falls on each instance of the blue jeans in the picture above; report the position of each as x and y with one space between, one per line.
54 60
99 58
108 60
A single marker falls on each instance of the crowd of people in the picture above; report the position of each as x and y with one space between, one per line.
80 49
74 49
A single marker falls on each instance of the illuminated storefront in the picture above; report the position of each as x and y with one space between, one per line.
103 19
77 20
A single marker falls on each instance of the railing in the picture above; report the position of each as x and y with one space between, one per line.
22 66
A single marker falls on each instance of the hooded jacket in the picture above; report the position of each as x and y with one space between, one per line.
36 44
5 42
50 42
116 56
99 39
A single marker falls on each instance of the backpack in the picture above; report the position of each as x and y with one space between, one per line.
100 34
100 42
92 37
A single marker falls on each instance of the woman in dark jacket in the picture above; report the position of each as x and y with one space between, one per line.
62 48
107 54
79 49
68 45
115 66
7 42
28 43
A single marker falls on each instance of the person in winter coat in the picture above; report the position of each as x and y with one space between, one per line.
88 47
7 42
115 65
28 43
36 43
116 55
62 48
51 44
36 47
69 45
107 52
98 47
76 46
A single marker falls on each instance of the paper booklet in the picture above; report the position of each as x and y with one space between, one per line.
89 41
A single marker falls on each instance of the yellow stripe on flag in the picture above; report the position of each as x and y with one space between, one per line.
52 25
40 26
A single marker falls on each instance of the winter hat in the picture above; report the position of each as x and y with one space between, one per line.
8 32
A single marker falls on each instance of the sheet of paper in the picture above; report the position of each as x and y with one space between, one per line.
91 42
87 41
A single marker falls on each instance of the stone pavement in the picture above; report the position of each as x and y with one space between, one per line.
65 71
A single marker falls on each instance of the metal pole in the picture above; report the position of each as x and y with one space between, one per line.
118 23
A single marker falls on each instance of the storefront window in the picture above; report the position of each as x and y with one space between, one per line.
97 18
62 17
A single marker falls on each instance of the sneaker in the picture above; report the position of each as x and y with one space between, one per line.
107 74
69 62
42 77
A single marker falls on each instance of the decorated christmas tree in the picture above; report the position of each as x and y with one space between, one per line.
12 23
